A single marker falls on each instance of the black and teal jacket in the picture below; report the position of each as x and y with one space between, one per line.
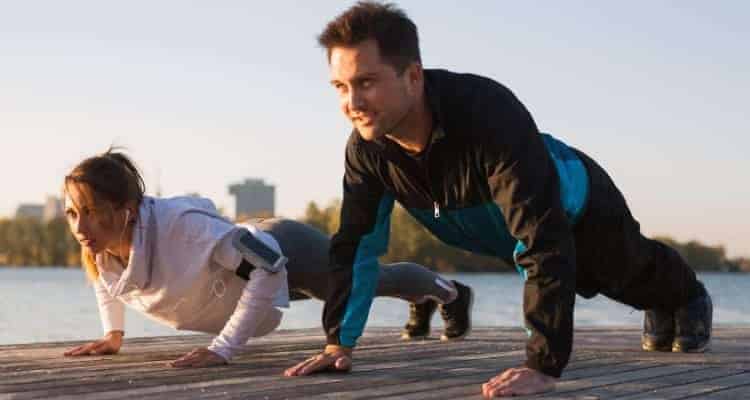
488 182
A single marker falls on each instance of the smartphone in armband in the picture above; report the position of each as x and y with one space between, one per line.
257 253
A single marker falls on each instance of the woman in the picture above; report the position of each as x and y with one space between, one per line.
181 263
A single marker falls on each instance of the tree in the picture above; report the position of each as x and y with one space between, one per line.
700 256
28 241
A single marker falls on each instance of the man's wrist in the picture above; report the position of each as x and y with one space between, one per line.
335 348
550 371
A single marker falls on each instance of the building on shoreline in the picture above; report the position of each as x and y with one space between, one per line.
253 199
27 210
51 209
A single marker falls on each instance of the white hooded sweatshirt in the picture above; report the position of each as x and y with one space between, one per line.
181 272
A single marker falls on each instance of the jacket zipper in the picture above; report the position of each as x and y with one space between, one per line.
435 204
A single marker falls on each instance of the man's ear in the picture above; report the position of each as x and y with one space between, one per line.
414 76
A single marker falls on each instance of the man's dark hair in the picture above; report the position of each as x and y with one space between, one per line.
394 33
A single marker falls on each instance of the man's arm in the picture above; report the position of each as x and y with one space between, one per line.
362 237
355 248
524 183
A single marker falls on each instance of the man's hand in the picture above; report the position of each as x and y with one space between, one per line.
200 357
109 344
517 382
334 358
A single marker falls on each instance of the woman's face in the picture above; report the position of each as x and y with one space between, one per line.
96 225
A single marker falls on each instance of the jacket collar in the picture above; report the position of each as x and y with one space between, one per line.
432 97
137 274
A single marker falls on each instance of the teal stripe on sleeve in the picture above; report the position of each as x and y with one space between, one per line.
574 180
520 248
574 191
365 275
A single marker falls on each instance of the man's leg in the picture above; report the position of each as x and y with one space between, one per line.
614 257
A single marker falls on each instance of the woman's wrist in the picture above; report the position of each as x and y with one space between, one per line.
118 334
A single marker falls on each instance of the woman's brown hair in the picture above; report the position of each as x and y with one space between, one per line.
110 177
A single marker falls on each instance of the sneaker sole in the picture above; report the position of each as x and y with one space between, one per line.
409 338
468 330
702 349
648 347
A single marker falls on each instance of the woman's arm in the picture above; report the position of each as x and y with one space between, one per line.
111 310
254 315
112 314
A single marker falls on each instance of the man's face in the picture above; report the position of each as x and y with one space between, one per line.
371 92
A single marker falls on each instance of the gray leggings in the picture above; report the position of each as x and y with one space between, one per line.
307 269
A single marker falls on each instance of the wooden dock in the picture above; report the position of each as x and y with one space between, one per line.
607 363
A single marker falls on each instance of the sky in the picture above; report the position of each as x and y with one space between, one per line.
205 94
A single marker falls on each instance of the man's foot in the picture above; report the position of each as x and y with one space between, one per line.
420 315
658 330
693 325
457 314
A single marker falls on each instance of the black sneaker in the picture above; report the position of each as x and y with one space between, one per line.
693 325
457 314
420 315
658 330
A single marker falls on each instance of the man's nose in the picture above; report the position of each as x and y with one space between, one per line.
356 100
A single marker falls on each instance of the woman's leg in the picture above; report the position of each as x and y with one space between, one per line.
308 267
414 283
307 250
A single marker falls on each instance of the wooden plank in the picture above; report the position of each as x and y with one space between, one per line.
470 388
697 389
606 363
737 392
446 381
685 374
362 379
155 377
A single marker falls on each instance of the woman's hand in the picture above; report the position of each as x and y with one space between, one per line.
200 357
109 344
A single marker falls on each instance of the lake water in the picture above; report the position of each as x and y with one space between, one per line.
55 304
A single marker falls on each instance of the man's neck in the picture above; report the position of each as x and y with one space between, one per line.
413 133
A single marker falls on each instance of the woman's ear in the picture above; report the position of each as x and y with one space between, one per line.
130 212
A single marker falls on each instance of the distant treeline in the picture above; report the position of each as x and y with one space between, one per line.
31 242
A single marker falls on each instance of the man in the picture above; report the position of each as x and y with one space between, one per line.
464 156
